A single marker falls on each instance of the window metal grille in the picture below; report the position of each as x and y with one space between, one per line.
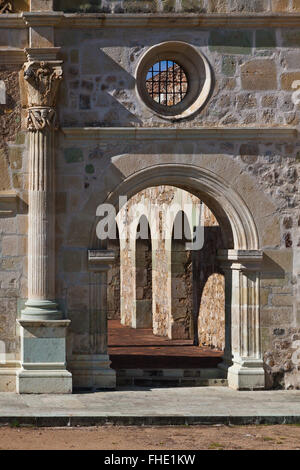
167 83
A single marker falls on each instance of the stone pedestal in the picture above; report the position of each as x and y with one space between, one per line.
43 349
243 357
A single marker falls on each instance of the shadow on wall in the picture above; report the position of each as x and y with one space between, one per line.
104 92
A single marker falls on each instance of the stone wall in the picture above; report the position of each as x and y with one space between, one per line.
13 217
253 75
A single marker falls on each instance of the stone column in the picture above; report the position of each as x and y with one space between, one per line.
43 329
93 370
243 356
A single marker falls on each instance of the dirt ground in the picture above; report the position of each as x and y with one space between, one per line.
152 438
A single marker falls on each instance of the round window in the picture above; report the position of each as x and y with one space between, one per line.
166 82
173 79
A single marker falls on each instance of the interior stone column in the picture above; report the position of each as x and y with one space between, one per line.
93 370
43 329
243 356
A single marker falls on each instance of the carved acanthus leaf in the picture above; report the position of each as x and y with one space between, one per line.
41 118
6 7
42 80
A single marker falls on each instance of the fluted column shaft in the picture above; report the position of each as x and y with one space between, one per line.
41 233
41 80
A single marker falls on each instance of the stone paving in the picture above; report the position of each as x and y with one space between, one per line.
152 406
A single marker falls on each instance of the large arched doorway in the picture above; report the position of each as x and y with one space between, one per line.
240 258
152 339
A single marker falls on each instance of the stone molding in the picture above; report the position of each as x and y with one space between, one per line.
184 20
42 54
244 260
256 134
12 56
43 323
8 200
100 260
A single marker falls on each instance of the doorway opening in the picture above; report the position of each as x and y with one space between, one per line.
166 296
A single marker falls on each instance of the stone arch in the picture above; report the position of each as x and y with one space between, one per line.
244 227
237 223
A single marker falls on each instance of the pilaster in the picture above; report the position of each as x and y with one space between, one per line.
243 356
93 370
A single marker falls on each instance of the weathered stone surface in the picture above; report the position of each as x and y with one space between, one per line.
4 172
41 5
73 155
287 80
259 74
231 42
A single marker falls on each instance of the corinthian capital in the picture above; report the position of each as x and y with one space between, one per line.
42 81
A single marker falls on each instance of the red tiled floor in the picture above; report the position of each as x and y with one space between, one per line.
140 349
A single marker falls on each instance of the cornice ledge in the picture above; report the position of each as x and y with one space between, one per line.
81 20
248 260
11 20
42 18
199 133
8 196
12 56
176 20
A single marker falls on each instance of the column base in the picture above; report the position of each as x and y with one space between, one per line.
92 371
247 375
41 310
44 381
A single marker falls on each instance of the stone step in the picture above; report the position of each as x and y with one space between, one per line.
171 377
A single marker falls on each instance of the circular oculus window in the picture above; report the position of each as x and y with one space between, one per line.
173 79
167 83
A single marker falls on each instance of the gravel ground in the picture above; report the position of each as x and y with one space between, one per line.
152 438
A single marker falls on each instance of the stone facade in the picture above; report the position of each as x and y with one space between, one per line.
239 154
